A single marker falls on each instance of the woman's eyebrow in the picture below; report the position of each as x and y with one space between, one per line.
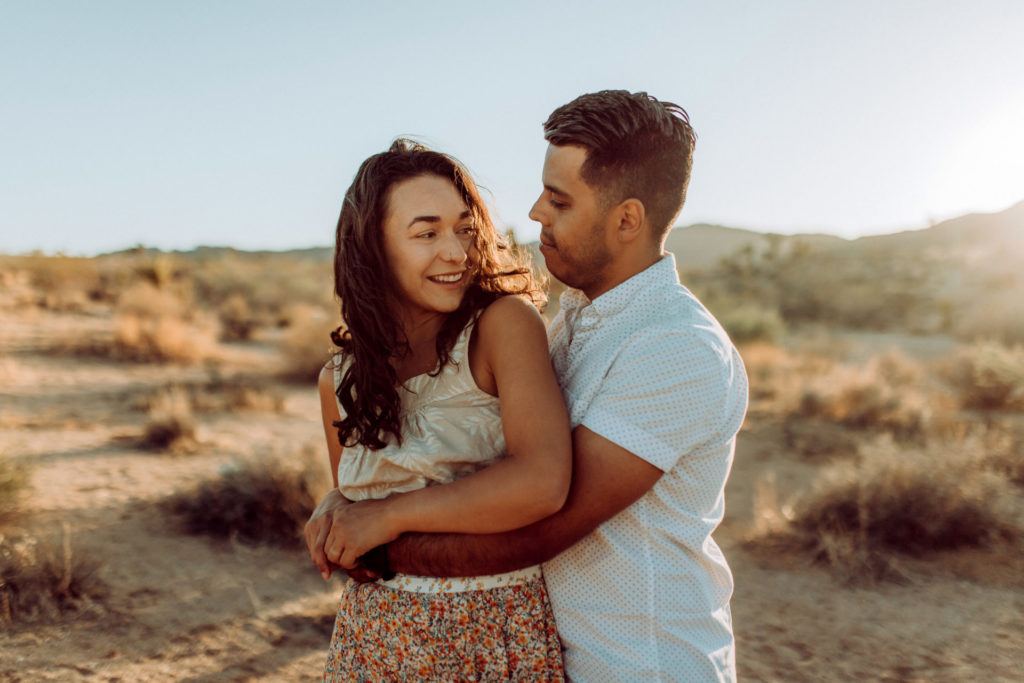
436 219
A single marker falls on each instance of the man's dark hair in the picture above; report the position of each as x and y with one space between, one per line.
636 147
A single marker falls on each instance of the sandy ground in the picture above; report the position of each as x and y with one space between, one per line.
189 609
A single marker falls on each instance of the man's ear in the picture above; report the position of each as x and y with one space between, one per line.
631 215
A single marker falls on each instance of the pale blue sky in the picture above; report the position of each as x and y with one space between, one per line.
174 124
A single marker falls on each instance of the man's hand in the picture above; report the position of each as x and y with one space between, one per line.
319 526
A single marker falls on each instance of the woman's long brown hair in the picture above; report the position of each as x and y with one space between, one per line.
371 334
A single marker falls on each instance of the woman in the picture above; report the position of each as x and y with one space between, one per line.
443 378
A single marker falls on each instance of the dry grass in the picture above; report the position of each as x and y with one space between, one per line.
263 501
883 395
236 319
156 325
998 449
826 406
230 394
13 482
998 315
42 580
171 424
749 322
223 394
307 344
861 516
988 376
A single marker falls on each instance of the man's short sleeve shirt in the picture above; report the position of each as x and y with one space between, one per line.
646 595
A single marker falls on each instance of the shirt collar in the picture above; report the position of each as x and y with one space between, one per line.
661 273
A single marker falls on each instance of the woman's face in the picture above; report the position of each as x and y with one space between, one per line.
429 236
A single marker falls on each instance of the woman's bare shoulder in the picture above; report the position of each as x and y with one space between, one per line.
508 313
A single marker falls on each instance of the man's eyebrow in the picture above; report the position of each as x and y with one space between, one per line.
554 190
436 219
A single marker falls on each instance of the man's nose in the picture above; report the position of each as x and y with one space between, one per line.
536 214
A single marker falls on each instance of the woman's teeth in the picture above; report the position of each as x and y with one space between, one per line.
455 277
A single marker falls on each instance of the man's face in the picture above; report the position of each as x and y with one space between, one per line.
574 227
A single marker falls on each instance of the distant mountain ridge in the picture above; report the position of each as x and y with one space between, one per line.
703 246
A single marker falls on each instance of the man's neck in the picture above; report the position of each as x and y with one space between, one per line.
625 267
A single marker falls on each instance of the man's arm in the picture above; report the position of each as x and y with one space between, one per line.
606 480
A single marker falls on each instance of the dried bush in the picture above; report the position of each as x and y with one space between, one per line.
13 481
997 315
860 515
997 449
886 394
262 501
62 283
988 376
307 344
778 377
224 393
229 394
154 325
40 579
236 319
171 423
270 284
750 322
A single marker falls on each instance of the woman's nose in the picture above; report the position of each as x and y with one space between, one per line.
453 250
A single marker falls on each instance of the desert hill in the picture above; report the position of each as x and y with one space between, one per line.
702 246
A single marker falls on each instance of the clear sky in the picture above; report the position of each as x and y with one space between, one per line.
187 122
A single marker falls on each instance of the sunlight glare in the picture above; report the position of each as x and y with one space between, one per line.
984 169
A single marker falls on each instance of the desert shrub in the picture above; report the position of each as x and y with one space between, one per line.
155 325
40 579
62 283
13 481
270 284
171 424
307 345
236 319
882 395
997 315
223 393
778 377
262 501
749 322
229 394
160 270
988 376
860 515
998 449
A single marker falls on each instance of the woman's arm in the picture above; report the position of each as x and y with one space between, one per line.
319 524
530 483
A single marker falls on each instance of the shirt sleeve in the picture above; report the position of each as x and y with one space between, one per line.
669 394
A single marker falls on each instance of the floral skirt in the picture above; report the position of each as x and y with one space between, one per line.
496 634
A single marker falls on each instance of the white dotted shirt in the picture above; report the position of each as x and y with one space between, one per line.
645 596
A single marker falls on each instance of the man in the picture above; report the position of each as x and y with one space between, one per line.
656 394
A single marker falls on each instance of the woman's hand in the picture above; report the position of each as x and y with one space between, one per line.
358 528
319 526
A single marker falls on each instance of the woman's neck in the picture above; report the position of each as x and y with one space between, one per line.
421 331
420 355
